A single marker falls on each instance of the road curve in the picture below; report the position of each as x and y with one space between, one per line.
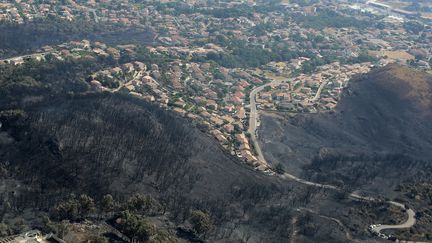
135 77
355 196
407 224
253 120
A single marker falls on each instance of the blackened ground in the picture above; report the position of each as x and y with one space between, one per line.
378 136
59 138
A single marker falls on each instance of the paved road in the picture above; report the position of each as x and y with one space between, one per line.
318 93
25 56
96 18
408 224
355 196
286 175
135 77
253 120
253 117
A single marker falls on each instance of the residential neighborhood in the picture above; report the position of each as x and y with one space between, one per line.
205 83
213 98
215 121
311 93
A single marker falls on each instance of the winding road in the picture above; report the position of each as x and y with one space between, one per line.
135 77
408 224
253 121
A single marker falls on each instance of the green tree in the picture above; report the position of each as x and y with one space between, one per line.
107 203
413 27
67 210
59 228
137 227
86 204
98 239
200 221
141 203
5 230
163 236
20 225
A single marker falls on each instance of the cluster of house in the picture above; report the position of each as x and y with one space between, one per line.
126 12
9 12
213 97
283 68
33 236
311 93
181 29
27 10
392 42
123 12
118 76
390 45
134 78
72 49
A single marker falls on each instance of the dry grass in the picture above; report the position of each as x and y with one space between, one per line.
83 232
402 55
273 76
269 75
419 84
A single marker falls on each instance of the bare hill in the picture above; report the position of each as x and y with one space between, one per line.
378 136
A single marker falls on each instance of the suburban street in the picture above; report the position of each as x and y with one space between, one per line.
318 93
93 11
253 117
135 77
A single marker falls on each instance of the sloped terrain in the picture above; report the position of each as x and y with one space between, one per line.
378 136
58 139
101 143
